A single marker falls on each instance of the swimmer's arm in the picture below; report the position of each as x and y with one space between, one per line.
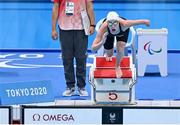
129 23
98 42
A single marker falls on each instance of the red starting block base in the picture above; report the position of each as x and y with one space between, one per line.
100 62
106 69
111 73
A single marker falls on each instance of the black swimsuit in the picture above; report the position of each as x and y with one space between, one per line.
121 36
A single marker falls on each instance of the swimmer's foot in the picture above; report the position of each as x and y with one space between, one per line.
118 72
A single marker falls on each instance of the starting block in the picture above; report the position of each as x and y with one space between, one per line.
106 88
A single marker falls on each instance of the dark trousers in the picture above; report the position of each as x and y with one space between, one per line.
74 45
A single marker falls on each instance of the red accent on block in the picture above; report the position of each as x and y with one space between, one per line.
111 73
101 62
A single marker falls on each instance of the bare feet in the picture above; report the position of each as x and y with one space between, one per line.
118 72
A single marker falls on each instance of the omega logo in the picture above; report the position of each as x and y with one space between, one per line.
56 117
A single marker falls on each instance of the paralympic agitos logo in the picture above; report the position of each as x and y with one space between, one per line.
148 48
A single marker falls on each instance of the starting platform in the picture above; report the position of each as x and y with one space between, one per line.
106 87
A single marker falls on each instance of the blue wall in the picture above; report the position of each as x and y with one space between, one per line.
28 25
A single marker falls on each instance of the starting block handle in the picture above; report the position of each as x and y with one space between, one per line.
91 79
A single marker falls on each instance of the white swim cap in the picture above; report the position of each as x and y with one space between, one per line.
112 16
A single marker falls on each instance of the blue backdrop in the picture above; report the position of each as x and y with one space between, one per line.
28 25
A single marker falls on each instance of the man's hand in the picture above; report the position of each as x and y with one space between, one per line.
54 35
91 30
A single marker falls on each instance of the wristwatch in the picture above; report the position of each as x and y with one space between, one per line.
93 25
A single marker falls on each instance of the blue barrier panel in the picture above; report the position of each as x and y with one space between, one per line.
26 92
5 115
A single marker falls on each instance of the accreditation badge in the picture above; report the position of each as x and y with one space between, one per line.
69 8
